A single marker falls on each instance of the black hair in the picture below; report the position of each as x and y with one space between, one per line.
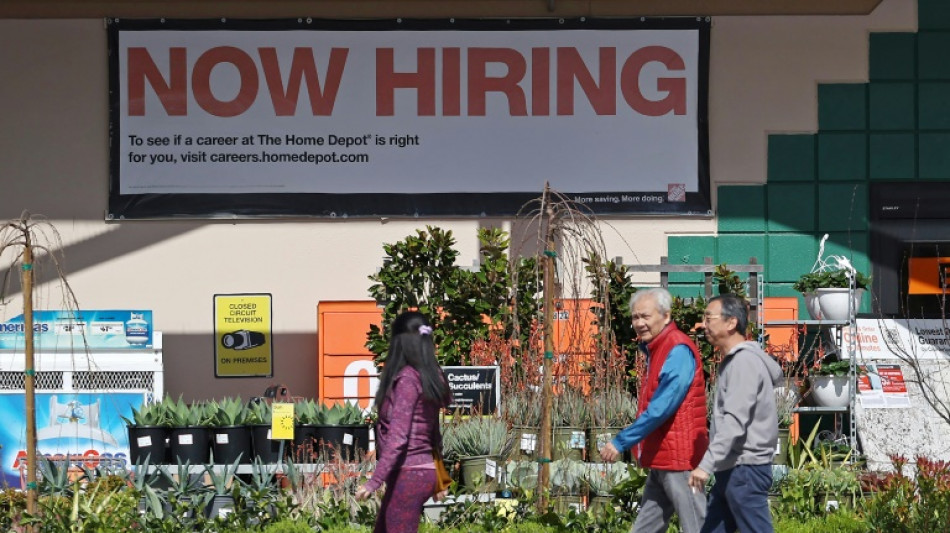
410 343
735 307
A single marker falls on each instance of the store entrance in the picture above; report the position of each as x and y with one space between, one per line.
910 248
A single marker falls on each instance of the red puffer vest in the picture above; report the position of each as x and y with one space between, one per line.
680 442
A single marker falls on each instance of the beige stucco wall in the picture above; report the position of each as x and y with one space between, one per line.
54 161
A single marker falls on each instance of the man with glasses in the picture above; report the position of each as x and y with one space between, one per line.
670 432
744 429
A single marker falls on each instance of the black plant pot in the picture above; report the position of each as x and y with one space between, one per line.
265 448
149 442
347 441
189 444
230 442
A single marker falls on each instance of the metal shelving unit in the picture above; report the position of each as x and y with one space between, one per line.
846 346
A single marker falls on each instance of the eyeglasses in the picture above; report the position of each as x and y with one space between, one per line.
707 318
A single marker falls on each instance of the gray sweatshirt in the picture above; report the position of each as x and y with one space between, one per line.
744 429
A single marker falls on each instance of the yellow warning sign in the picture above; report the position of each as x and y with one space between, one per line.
242 335
282 421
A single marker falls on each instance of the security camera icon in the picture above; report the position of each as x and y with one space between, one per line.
243 340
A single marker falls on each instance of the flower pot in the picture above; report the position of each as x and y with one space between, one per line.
480 473
597 438
349 441
565 503
527 443
149 442
189 444
220 506
568 443
230 442
599 503
834 303
781 449
811 304
831 391
262 446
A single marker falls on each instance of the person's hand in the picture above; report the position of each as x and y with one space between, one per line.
439 496
608 453
698 479
362 493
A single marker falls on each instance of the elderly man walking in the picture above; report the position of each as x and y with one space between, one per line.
744 429
670 432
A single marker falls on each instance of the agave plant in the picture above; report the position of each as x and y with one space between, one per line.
181 414
601 478
612 408
228 412
343 414
259 413
147 415
522 409
567 476
308 412
570 409
475 436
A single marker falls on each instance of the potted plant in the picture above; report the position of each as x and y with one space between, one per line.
259 417
340 428
830 383
190 434
148 433
522 410
610 412
567 483
601 480
230 435
569 421
826 292
481 444
786 398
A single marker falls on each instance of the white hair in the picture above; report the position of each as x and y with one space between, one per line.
662 298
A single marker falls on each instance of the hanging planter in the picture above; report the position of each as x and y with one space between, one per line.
833 303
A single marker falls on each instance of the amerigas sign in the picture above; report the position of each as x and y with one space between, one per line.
388 118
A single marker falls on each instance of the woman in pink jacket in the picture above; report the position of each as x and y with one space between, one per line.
412 391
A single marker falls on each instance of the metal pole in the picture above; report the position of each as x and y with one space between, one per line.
29 375
544 474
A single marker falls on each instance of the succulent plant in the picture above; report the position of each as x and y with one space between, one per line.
612 408
228 412
570 409
149 414
475 436
181 414
522 408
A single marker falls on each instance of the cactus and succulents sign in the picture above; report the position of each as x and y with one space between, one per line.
475 389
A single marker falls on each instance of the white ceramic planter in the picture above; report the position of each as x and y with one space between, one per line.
833 303
811 304
831 391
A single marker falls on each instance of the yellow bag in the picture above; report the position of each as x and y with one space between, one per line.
442 477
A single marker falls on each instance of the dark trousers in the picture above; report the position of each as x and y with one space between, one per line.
739 500
405 496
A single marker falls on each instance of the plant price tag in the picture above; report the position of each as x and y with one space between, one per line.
603 439
491 469
144 441
185 439
221 438
348 439
578 442
529 442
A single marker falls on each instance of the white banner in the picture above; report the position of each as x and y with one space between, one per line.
614 117
902 339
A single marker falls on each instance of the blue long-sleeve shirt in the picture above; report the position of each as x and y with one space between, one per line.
675 378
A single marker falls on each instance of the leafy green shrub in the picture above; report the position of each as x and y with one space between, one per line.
838 522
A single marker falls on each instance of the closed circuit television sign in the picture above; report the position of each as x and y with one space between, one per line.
243 335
